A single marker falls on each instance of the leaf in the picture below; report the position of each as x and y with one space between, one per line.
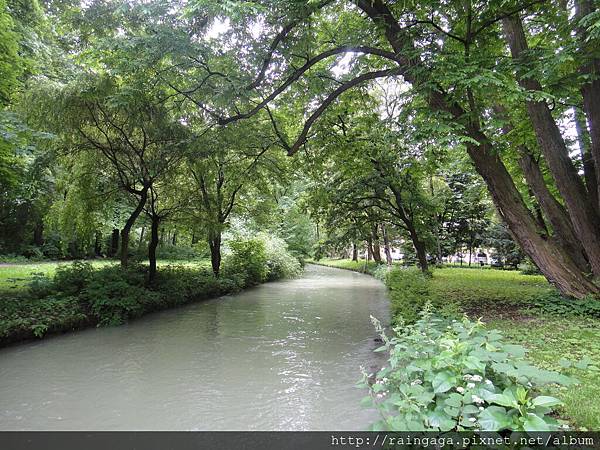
439 419
514 350
443 382
546 401
501 399
494 418
535 423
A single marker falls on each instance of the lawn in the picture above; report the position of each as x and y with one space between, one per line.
509 301
15 277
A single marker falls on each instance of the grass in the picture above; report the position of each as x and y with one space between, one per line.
507 300
15 277
356 266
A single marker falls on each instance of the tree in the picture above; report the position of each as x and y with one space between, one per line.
453 60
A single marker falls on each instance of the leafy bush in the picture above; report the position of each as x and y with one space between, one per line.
529 268
280 262
71 279
456 375
555 304
409 290
247 260
114 294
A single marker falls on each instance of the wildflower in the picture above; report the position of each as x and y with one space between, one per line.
476 399
481 408
470 385
467 377
416 382
476 378
472 419
460 389
488 382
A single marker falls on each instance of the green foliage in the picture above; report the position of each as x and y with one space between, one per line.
280 261
247 260
555 304
456 375
362 266
409 291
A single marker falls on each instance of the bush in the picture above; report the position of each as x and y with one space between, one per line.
248 261
555 304
114 294
280 262
71 279
409 290
456 375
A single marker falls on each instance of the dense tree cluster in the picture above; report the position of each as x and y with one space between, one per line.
424 123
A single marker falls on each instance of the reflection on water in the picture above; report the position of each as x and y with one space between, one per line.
282 356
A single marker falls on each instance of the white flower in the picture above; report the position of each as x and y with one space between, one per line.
488 382
477 400
481 408
476 378
416 382
460 389
384 380
472 419
470 385
467 377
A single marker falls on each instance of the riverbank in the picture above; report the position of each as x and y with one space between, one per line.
282 356
68 297
526 309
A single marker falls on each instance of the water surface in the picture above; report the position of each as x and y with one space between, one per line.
281 356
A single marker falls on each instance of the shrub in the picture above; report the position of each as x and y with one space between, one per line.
71 279
555 304
409 290
456 375
248 260
114 294
280 262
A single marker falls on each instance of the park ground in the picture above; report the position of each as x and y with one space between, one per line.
528 311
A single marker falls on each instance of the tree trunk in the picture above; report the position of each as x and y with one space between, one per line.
38 234
129 224
386 246
141 241
590 91
376 247
214 242
558 268
589 167
98 244
174 239
583 215
354 252
553 210
152 246
114 243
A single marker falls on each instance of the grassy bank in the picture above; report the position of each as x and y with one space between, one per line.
526 309
64 297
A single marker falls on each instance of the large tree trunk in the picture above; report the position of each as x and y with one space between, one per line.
214 242
152 246
558 268
553 210
590 91
354 252
583 214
